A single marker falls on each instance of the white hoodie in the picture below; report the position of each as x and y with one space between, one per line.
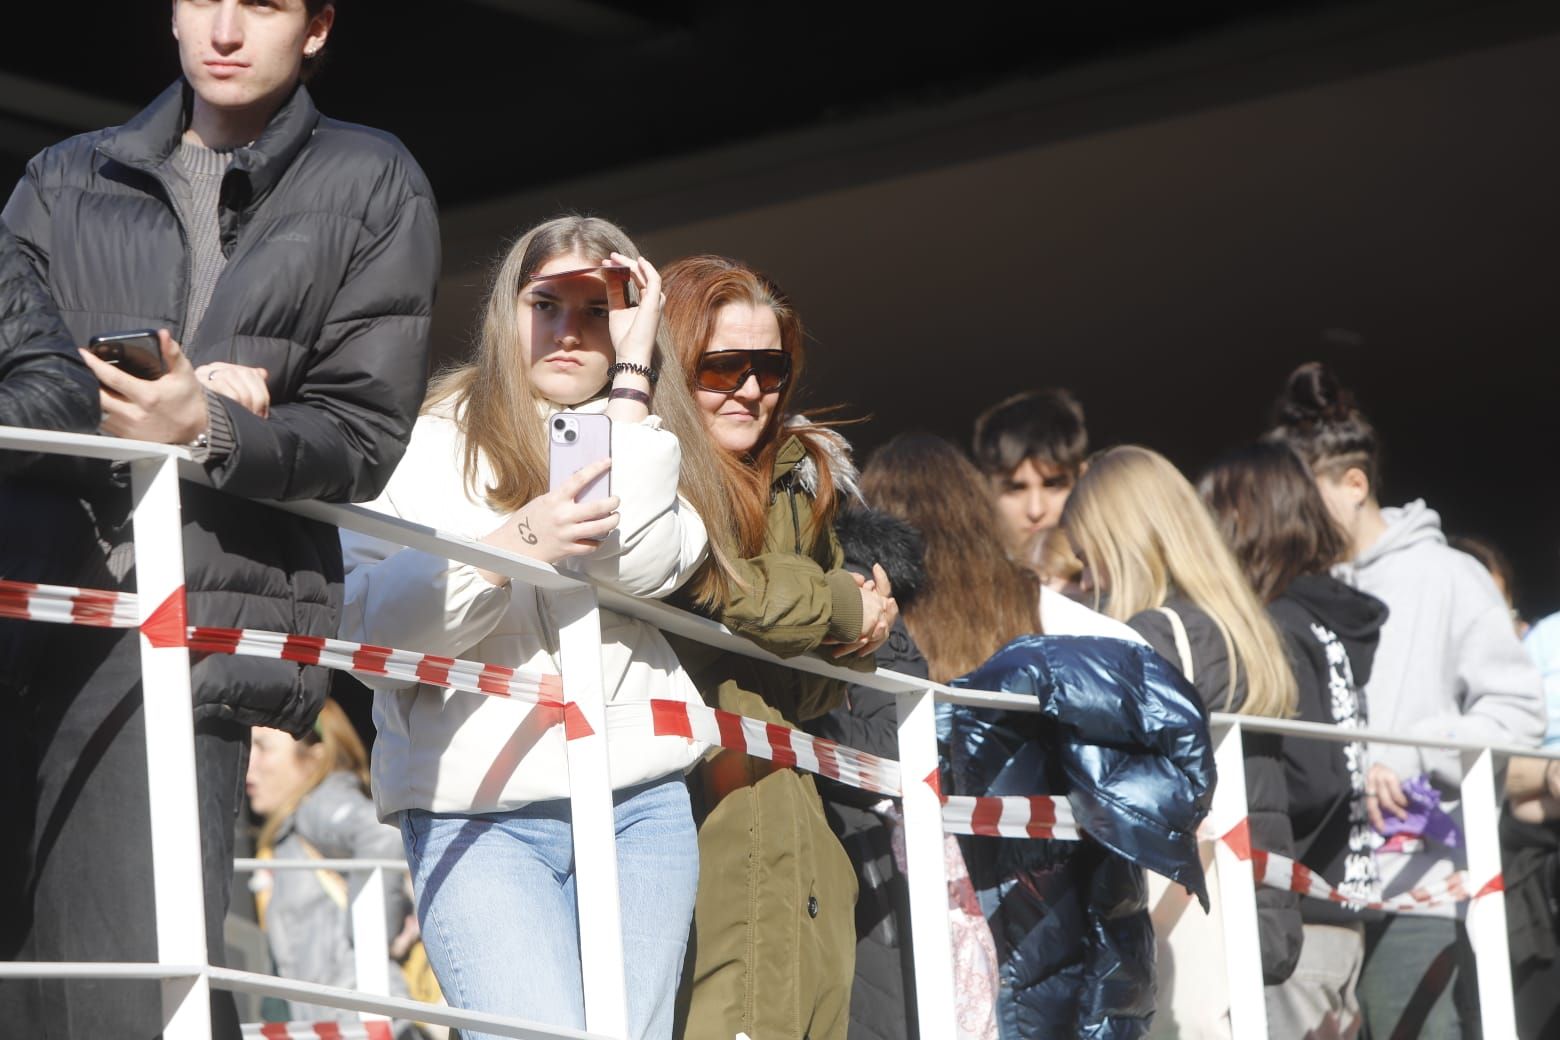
446 751
1449 667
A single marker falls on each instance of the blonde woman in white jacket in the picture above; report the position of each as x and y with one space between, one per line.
480 784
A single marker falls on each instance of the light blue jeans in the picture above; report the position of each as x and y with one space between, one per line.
496 901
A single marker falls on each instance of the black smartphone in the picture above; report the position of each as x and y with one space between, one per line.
139 353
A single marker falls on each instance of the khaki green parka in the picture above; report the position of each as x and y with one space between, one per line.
773 949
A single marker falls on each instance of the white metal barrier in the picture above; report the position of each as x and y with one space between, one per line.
183 963
368 896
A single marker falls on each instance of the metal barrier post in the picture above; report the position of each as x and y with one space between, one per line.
927 882
1486 917
170 753
590 798
370 944
1237 889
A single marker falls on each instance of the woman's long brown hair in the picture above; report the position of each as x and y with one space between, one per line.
975 598
696 289
1266 505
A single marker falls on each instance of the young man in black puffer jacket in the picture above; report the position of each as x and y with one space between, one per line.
290 262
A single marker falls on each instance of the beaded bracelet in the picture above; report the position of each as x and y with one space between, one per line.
638 370
627 393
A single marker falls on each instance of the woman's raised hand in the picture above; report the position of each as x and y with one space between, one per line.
633 329
554 527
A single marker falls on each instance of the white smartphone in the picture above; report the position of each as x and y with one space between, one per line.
575 440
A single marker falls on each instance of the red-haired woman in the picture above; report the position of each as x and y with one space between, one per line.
774 920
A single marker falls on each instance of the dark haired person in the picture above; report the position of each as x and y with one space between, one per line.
1268 509
1448 667
1031 447
290 261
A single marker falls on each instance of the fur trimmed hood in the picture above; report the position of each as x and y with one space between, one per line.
836 449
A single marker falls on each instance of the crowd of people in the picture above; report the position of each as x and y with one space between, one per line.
288 263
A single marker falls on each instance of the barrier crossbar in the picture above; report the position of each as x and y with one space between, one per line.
187 975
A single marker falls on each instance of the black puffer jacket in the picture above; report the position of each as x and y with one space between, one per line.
43 382
332 246
1267 792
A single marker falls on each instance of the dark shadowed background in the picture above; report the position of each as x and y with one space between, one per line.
1163 210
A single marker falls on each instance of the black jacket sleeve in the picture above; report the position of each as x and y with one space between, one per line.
340 436
43 382
869 720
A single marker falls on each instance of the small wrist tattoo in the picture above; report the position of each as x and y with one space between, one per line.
524 527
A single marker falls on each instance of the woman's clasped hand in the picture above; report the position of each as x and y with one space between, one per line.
878 614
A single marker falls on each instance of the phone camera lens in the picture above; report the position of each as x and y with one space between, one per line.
559 424
570 436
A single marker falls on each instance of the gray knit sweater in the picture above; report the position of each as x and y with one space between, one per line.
196 189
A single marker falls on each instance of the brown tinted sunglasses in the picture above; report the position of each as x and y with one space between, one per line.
724 371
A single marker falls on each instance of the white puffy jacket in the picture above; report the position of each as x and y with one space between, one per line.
446 751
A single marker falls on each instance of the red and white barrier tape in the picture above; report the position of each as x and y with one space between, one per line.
26 601
166 627
778 744
374 1029
1281 872
1038 816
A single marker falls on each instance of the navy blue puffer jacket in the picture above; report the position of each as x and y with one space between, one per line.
1124 737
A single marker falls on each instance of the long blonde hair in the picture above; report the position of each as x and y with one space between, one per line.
1142 531
339 751
495 403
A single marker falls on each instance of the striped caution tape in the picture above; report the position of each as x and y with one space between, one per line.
1037 816
778 744
26 601
374 1029
1274 871
166 627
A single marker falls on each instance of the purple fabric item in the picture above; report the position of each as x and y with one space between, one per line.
1426 818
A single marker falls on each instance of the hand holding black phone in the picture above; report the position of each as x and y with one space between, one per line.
137 353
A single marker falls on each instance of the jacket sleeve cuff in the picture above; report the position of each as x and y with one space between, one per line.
845 612
219 433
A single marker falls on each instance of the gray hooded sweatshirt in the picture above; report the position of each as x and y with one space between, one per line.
1449 667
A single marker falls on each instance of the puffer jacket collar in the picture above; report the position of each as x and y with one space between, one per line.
148 140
